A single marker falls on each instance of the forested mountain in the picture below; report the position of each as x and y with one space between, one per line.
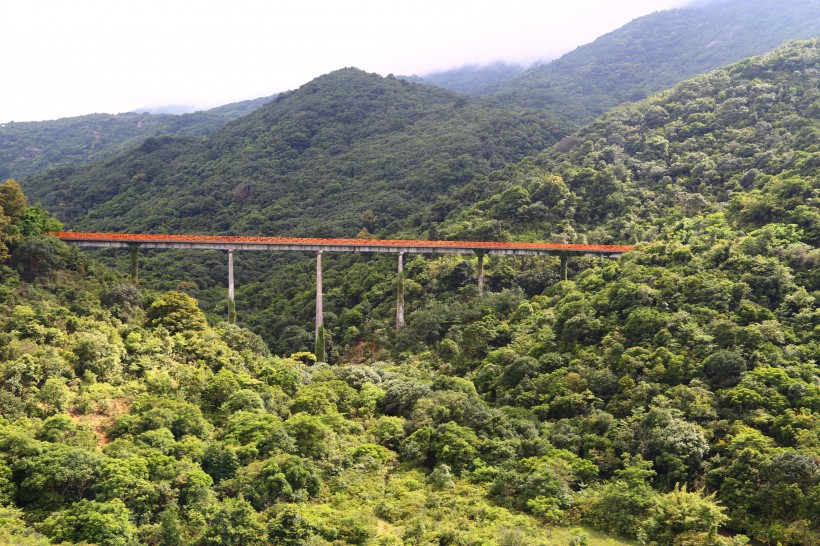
711 144
30 147
471 79
671 396
655 51
347 151
641 58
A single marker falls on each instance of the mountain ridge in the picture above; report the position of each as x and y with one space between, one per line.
34 146
655 51
349 129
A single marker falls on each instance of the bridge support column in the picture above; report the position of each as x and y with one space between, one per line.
480 273
231 302
400 293
134 249
564 258
319 351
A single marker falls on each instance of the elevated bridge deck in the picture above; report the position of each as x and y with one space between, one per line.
395 246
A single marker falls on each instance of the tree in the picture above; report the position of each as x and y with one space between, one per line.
288 528
234 523
220 461
55 394
12 200
176 311
58 475
724 369
38 256
620 505
682 513
311 435
103 523
128 481
38 221
100 352
548 509
675 445
454 446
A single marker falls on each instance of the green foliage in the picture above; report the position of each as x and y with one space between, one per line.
31 147
13 201
177 312
681 513
13 530
100 352
40 256
724 369
622 504
288 528
234 523
390 144
103 523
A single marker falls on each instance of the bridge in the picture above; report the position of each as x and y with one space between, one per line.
231 243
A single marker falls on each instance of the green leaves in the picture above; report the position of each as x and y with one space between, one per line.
176 311
103 523
681 513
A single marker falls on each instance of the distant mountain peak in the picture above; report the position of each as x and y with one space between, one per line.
173 109
657 50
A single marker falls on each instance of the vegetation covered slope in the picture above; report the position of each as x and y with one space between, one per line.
30 147
698 351
665 396
628 64
471 79
719 313
316 161
742 140
655 51
126 419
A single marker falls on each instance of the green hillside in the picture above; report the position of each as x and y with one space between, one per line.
742 140
471 79
655 51
126 419
637 60
30 147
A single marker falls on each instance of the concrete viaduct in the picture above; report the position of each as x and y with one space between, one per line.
230 243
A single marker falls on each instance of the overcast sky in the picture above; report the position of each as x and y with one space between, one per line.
73 57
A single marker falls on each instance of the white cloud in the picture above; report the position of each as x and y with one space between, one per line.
72 57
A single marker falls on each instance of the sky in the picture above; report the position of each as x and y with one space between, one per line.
65 58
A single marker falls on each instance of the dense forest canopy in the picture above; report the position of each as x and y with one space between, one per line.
317 161
30 147
742 139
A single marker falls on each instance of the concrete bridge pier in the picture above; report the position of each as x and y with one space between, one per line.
400 293
231 302
319 351
480 273
564 257
134 249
